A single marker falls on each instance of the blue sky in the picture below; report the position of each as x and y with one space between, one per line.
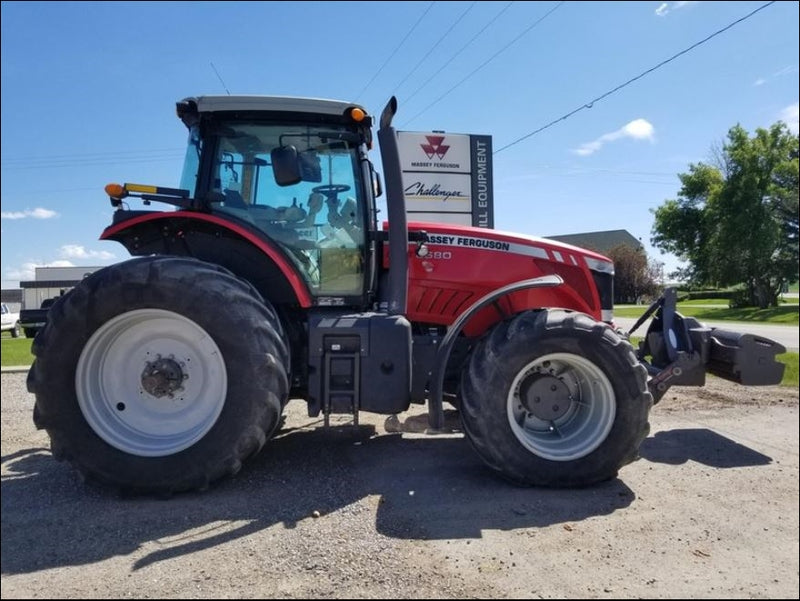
88 93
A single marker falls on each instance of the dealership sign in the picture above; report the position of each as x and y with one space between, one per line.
447 177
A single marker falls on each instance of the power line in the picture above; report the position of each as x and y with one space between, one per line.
441 39
391 56
464 47
591 103
495 55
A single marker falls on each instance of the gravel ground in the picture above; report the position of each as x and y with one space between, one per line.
384 510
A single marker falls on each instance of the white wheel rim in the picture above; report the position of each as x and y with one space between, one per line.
124 408
571 421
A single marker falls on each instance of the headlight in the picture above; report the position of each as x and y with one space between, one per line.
600 265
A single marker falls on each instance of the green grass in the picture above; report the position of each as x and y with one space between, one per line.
784 315
790 376
16 351
703 302
721 302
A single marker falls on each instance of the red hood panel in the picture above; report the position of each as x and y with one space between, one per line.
465 263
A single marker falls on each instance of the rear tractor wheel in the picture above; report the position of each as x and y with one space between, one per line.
159 374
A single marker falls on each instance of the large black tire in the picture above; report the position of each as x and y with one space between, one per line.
30 332
553 398
159 375
16 331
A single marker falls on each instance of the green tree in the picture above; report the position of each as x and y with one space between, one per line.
736 223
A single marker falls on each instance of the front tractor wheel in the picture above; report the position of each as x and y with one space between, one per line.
553 398
160 374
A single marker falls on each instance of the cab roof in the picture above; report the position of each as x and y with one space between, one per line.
272 103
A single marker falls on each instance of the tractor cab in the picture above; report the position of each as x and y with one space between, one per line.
299 174
279 190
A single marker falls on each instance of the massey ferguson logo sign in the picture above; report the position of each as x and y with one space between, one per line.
435 147
434 152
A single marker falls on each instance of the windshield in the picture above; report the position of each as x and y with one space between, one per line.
191 161
319 220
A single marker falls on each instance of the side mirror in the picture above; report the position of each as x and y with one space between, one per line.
285 167
377 186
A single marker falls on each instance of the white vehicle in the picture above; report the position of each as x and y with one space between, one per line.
11 321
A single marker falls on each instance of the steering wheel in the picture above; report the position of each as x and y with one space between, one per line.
331 191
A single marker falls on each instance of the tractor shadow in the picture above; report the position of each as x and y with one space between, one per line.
414 487
675 447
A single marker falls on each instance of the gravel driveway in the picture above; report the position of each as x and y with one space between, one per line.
710 511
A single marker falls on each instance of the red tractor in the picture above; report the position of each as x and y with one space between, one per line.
271 278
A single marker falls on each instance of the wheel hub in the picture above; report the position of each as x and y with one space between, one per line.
545 396
163 377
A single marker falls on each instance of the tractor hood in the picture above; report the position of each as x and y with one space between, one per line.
458 265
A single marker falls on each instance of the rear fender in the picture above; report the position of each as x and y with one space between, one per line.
241 248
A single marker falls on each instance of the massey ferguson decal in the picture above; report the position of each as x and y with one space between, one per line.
487 243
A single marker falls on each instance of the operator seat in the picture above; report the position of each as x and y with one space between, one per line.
233 199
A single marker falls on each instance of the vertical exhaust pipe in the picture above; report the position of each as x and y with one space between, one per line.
396 209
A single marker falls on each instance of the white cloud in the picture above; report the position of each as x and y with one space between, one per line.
638 129
75 251
780 73
27 271
37 213
791 115
668 7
